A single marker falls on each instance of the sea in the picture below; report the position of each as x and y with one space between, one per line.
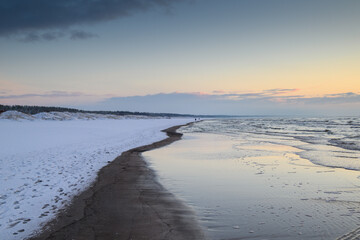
267 177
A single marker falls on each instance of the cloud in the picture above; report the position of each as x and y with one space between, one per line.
48 36
218 92
52 98
265 94
277 91
286 96
342 95
267 102
79 35
338 98
24 17
44 95
55 35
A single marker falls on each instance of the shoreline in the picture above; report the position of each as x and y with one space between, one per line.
249 186
126 202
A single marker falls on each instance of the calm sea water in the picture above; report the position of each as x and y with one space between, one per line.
267 178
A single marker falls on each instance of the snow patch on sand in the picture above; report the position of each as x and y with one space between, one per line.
43 164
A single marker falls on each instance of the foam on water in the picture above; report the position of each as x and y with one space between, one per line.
332 142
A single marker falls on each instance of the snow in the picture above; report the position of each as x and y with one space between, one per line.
65 116
43 164
82 116
15 115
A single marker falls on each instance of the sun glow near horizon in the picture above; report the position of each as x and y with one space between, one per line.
248 48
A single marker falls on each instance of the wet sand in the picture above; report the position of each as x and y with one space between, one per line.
256 187
126 202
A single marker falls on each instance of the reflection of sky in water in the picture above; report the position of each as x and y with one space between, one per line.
250 185
333 142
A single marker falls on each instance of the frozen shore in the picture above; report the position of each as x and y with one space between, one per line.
43 164
126 202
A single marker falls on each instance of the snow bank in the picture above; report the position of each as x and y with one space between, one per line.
43 164
15 115
65 116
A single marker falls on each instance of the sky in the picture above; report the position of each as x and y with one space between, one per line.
238 57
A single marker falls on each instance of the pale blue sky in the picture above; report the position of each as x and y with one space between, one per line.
187 47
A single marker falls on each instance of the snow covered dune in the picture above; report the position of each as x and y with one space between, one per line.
65 116
43 164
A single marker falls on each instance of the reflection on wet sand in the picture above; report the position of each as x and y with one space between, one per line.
258 188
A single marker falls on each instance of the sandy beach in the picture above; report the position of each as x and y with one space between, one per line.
226 179
179 119
126 202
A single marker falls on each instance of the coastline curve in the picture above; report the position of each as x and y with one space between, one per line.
126 202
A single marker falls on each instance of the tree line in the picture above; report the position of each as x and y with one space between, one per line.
38 109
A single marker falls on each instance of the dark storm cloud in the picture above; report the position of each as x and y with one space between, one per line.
30 16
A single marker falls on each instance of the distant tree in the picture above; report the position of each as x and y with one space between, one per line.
38 109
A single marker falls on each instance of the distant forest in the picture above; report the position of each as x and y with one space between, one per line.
39 109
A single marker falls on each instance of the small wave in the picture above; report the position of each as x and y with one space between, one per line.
342 156
353 235
332 142
313 131
345 144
